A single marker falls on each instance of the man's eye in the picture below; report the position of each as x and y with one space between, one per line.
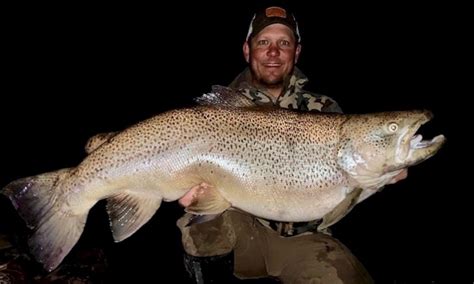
284 43
262 42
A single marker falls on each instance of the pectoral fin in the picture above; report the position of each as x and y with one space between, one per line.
340 210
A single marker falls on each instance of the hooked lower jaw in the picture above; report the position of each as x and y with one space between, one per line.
416 148
421 150
417 141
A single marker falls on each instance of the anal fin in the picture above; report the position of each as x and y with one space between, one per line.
129 211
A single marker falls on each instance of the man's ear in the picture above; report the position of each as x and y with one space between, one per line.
246 50
297 53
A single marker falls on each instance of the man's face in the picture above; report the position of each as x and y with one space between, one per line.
272 54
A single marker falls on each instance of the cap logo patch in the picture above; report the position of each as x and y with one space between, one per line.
275 12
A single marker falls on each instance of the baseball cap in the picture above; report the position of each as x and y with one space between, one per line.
273 15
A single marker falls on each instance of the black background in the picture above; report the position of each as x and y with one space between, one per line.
72 71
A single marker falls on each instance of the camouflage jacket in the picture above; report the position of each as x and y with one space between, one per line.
292 97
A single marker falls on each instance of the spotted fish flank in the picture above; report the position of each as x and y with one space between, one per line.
276 164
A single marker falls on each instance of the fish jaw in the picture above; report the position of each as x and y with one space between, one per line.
420 150
412 149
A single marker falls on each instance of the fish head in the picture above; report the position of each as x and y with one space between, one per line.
376 147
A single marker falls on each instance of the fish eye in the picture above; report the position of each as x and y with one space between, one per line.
392 127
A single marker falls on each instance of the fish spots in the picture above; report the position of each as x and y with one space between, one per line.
262 149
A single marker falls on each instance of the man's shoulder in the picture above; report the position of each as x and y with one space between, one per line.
317 102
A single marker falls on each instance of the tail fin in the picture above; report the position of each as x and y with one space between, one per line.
55 232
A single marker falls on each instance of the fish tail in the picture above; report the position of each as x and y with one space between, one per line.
54 232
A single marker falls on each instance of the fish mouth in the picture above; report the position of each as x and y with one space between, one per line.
420 149
417 142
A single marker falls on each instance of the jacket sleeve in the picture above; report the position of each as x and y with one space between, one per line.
331 106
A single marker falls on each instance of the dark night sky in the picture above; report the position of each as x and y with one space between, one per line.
74 71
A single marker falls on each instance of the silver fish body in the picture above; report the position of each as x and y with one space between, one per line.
276 164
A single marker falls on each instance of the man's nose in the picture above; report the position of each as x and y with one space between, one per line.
273 50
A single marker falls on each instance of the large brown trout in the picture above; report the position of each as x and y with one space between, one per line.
275 164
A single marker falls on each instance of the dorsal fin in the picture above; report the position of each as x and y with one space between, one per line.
225 96
129 211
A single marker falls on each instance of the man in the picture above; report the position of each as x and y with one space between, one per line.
251 247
